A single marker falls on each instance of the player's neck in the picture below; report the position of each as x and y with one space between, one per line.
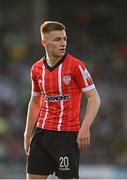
52 61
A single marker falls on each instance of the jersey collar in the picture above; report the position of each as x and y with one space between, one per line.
56 65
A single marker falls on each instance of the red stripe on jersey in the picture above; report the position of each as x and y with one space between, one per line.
61 88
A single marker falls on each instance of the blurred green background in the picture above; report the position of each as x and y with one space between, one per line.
97 34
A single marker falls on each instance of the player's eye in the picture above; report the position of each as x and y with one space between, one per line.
57 39
65 38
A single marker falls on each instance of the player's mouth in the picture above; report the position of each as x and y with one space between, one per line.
62 50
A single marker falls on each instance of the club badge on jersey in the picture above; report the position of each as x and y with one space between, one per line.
67 79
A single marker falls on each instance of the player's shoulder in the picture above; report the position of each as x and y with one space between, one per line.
38 63
75 61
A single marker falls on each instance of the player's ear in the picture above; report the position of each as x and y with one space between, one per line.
44 42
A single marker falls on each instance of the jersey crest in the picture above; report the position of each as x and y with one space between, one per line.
67 79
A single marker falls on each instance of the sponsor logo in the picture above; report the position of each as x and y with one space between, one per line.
67 79
56 98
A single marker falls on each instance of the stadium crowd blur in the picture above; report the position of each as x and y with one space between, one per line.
97 35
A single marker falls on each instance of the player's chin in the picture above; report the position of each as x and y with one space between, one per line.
61 53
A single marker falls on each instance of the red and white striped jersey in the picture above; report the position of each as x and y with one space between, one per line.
60 87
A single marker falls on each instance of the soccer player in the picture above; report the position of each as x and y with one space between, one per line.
58 81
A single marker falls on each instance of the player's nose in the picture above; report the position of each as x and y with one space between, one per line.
63 43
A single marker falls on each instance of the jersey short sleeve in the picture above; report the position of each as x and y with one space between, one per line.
83 77
35 86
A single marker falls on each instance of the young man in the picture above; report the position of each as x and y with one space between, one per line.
58 80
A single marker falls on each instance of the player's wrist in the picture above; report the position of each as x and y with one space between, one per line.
85 126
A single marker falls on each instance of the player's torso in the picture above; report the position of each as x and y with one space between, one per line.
60 94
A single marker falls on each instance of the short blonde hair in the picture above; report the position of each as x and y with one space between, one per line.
48 26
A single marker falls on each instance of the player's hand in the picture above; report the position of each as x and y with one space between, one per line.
26 144
83 138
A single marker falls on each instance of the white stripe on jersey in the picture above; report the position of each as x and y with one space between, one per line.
84 78
61 102
43 86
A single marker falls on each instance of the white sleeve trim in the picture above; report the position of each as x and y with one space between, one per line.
35 93
88 88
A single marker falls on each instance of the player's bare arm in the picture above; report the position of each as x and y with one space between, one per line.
32 114
93 104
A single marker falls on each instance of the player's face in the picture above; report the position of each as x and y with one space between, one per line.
55 43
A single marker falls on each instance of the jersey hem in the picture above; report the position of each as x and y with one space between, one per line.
65 129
